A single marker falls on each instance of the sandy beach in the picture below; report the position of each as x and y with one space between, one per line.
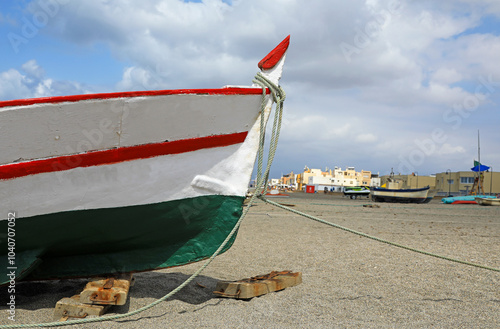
348 281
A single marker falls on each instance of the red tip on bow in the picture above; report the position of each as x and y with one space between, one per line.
275 55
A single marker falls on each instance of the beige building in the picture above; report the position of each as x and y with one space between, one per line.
364 178
462 182
303 178
454 183
289 181
411 181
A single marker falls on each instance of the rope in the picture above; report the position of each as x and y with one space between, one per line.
278 95
377 239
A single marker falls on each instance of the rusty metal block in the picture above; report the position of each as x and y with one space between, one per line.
371 206
107 291
258 285
68 308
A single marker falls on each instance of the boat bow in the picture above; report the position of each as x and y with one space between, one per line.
272 65
165 171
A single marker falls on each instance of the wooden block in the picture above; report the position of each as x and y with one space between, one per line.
259 285
107 291
371 206
72 308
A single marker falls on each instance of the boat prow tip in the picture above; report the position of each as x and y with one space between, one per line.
273 58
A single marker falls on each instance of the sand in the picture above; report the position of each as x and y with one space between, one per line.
348 281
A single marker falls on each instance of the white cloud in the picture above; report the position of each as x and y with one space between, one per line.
446 75
13 85
366 138
30 82
447 149
33 70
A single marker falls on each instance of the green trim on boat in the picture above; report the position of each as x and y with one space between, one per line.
84 243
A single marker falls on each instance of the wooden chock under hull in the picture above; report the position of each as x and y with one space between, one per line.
71 308
259 285
107 291
95 299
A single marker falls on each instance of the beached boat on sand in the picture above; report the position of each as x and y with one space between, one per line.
488 201
418 195
124 182
356 191
465 199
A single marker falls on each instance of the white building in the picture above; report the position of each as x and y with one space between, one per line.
375 182
275 182
321 182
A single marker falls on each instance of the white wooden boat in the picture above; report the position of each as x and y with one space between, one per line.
123 182
418 195
488 201
430 195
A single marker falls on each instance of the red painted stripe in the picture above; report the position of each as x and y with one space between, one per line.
78 98
275 55
96 158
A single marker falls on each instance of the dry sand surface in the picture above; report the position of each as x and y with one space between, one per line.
348 281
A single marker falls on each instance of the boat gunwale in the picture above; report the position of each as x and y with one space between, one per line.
224 91
381 189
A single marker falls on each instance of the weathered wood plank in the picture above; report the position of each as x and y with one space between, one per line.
259 285
71 307
107 291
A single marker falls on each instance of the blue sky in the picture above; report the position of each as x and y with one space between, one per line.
372 84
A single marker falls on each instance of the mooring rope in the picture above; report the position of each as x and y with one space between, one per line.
375 238
278 96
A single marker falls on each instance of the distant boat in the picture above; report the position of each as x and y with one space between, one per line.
430 195
356 191
488 201
466 199
99 184
418 195
277 193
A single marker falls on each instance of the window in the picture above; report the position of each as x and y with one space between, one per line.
466 180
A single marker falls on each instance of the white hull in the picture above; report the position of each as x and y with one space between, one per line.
79 129
48 130
145 181
402 195
488 201
420 194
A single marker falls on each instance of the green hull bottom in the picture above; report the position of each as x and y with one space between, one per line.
86 243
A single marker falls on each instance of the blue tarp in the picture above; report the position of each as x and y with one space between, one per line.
465 198
480 168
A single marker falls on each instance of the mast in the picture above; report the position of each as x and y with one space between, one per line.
479 160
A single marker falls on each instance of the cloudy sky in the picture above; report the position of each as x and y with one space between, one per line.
372 84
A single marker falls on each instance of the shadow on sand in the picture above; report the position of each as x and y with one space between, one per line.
35 295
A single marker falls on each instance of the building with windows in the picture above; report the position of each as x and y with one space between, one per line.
412 180
289 181
303 178
462 182
334 180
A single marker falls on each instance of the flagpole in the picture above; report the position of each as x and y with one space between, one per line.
479 159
